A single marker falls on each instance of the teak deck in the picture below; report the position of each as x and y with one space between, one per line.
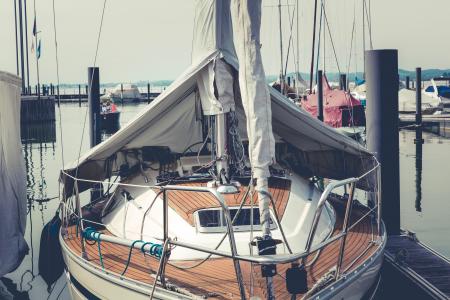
216 277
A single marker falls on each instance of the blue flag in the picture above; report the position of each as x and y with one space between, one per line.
34 27
38 50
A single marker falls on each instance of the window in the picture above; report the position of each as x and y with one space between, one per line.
213 220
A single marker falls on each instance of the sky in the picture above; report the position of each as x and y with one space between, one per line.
152 40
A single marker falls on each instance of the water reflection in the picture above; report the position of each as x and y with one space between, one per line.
419 145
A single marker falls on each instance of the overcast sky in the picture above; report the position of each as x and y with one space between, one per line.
151 40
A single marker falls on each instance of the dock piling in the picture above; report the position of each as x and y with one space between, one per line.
320 95
148 93
407 82
79 95
343 82
94 105
382 129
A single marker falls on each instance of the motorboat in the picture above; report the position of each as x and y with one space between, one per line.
124 93
213 189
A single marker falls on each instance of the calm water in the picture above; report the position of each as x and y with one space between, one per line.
424 186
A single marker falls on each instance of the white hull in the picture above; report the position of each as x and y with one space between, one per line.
110 286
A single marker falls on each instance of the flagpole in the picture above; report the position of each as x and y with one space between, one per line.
21 46
17 44
26 44
37 48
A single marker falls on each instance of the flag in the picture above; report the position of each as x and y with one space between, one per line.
34 27
38 50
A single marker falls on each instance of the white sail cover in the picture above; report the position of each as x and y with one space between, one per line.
13 199
173 119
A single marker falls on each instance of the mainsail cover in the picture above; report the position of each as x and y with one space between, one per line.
13 197
173 119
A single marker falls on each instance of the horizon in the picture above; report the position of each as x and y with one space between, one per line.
154 42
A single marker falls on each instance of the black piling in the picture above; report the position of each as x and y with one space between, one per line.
94 105
343 82
418 98
407 82
320 95
382 129
289 81
121 92
148 93
79 95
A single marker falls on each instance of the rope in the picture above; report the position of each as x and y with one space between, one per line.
57 78
91 234
331 38
129 256
87 109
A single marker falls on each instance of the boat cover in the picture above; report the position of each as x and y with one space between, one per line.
173 119
340 108
13 197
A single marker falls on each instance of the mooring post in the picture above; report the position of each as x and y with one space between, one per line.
87 90
418 139
320 95
289 80
148 93
94 105
343 82
121 92
79 95
382 129
407 82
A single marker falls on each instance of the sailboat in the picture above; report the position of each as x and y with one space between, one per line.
212 191
340 109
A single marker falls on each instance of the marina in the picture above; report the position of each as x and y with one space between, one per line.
325 181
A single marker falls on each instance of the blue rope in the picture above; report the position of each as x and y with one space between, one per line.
91 234
129 256
155 249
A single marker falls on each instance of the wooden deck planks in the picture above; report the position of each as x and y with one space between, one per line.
185 204
217 276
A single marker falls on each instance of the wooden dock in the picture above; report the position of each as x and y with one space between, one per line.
425 268
37 109
438 124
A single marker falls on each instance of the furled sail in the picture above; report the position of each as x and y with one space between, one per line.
13 197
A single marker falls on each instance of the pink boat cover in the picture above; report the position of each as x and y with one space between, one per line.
339 107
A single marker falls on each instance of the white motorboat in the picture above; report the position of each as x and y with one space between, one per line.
124 93
185 214
407 102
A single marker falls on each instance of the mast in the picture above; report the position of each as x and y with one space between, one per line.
36 44
297 64
17 46
281 49
22 67
364 34
26 43
313 46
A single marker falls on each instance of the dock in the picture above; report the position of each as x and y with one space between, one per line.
426 269
438 124
37 109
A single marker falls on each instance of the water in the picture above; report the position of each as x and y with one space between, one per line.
424 181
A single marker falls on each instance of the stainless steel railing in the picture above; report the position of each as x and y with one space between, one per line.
263 260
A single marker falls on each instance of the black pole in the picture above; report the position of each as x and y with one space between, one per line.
17 39
79 95
382 129
407 82
343 82
26 43
148 93
22 65
418 97
313 47
320 95
94 105
121 92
